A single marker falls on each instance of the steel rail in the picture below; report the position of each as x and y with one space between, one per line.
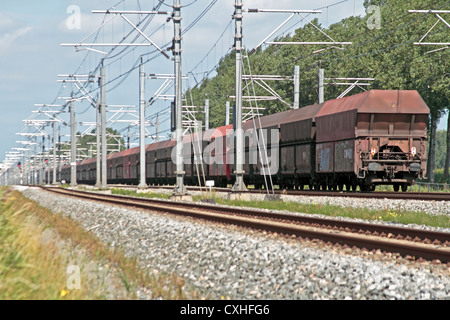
310 220
257 219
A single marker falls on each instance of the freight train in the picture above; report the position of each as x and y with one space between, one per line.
378 137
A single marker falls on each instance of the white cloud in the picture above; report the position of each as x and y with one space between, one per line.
112 27
7 39
6 22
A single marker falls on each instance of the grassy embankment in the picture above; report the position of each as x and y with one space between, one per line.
31 268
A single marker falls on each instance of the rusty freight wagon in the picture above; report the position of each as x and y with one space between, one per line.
298 148
372 138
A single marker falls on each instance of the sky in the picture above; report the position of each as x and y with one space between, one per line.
32 56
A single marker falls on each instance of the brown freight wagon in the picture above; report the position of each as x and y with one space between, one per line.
262 146
371 138
298 148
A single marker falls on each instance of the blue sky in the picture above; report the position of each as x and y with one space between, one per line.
31 55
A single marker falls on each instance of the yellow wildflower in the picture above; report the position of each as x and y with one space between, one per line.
64 292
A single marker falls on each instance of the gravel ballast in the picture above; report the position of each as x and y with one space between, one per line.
227 263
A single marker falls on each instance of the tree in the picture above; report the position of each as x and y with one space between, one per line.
441 136
87 144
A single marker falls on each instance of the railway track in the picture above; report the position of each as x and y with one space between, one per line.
424 196
429 245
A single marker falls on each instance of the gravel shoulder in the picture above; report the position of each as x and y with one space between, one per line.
222 262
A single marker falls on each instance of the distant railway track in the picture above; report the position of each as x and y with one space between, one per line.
425 196
436 196
429 245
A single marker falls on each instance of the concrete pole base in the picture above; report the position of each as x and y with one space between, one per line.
185 197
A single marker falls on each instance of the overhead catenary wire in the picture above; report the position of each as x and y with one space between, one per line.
136 64
123 76
97 34
397 27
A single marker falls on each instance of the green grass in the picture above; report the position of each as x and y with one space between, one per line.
133 193
439 176
405 217
30 269
418 187
400 216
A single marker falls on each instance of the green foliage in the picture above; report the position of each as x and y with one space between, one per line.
441 148
88 143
